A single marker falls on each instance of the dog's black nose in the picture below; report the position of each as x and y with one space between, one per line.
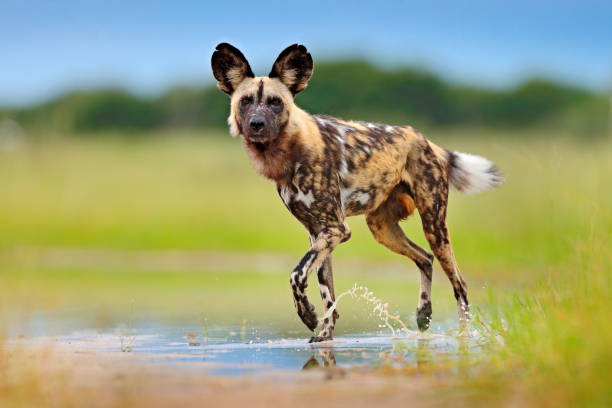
256 124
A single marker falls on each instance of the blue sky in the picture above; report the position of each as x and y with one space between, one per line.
147 46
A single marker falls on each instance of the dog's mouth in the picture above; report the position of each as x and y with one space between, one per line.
260 145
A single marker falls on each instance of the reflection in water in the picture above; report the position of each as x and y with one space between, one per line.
423 354
420 354
427 353
327 356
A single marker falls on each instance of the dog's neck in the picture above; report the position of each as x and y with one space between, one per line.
273 161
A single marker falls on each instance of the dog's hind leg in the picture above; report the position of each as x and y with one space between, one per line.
383 222
326 286
431 183
439 239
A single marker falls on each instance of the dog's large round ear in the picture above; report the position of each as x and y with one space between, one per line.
229 67
293 67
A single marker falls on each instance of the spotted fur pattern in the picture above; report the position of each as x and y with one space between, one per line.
327 169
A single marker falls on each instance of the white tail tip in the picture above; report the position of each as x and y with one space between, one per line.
472 174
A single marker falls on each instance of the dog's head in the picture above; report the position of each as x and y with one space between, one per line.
261 106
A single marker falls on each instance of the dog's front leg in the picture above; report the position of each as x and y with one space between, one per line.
299 282
326 285
320 249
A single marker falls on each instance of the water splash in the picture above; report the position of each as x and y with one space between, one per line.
127 339
380 309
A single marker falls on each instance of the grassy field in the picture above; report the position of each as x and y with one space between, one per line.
197 191
83 222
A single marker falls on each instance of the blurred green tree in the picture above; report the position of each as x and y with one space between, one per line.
353 89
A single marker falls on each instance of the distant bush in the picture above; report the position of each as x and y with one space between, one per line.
115 110
93 111
349 89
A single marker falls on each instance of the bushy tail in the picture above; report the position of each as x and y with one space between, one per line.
472 174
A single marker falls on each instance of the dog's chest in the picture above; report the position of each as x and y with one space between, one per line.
312 197
304 205
293 196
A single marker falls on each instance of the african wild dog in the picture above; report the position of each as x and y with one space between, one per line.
327 169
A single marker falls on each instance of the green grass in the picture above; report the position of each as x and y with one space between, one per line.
198 191
556 335
535 253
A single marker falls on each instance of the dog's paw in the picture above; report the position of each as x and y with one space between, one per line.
325 334
309 317
424 316
319 338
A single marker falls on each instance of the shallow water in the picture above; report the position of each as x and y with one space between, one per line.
228 350
244 350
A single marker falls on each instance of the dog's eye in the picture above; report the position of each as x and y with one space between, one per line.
275 103
246 101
